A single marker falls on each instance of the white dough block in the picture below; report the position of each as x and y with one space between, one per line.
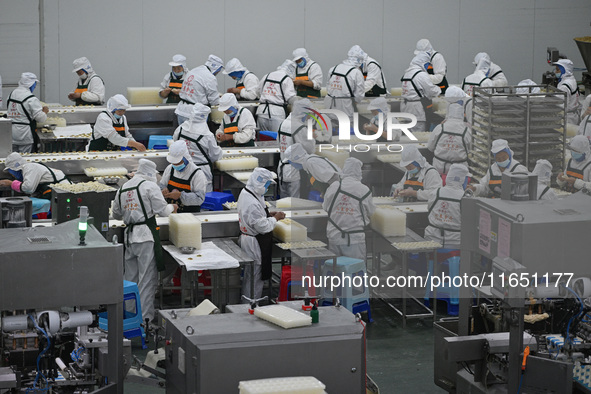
205 308
396 91
390 157
283 316
323 92
184 229
58 121
216 115
571 130
293 202
109 171
234 163
336 157
288 230
144 96
389 221
294 385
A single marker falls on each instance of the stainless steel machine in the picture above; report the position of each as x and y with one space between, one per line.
50 289
584 45
211 354
5 137
532 257
16 212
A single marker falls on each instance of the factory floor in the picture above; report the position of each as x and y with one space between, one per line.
399 360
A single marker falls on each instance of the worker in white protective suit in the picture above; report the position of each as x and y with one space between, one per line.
322 171
490 183
246 82
25 111
451 140
138 202
110 130
90 88
494 73
171 85
276 91
293 130
373 75
445 218
238 125
256 229
201 143
380 109
543 170
420 179
437 67
418 91
308 76
585 125
199 86
183 183
568 84
577 174
349 204
31 178
345 87
479 77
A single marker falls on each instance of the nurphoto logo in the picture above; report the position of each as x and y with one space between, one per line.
344 129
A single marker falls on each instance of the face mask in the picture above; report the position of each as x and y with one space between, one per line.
84 76
267 186
234 111
426 66
236 75
116 116
181 167
414 171
216 72
33 87
17 174
465 183
303 63
504 164
297 166
178 75
577 156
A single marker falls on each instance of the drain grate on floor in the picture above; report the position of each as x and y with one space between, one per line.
39 240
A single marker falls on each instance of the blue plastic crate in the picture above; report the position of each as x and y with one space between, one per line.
214 200
158 141
315 195
269 134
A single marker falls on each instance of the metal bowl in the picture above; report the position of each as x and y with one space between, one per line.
111 180
187 249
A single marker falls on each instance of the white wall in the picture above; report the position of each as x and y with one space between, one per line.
130 42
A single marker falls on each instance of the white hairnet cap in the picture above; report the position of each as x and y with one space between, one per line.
14 161
227 100
455 111
81 63
116 102
200 113
147 168
356 51
177 151
257 180
214 63
543 170
178 60
420 59
289 66
423 45
587 102
352 168
27 80
300 108
457 173
299 53
483 64
454 94
524 90
566 64
296 153
480 56
411 153
579 144
499 145
379 103
233 65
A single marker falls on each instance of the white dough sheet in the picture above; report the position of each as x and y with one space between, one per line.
283 316
75 131
288 385
209 257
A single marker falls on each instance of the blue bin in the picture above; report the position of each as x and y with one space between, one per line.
158 141
315 195
269 134
214 200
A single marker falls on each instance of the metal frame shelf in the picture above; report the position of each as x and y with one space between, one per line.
534 124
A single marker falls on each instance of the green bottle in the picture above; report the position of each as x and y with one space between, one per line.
314 314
